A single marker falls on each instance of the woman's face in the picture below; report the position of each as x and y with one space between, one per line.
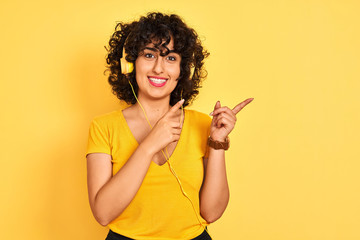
157 75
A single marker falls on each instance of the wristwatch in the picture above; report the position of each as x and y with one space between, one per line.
219 145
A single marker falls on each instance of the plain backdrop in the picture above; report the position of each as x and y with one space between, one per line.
293 165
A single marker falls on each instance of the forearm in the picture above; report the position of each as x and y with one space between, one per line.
214 194
112 199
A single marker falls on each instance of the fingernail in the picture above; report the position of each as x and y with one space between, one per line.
211 113
182 100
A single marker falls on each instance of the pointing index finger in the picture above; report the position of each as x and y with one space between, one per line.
177 106
241 105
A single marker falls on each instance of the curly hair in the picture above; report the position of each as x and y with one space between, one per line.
157 28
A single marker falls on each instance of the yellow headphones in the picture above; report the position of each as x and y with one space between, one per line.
127 68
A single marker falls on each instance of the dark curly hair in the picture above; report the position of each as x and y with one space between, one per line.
156 27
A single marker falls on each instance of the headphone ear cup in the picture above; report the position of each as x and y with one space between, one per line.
192 72
192 67
126 67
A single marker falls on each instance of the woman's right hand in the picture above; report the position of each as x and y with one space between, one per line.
165 131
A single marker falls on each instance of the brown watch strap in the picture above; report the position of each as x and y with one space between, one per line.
219 145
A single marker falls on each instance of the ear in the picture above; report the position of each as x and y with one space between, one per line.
192 68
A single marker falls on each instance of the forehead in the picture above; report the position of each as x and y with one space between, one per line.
157 46
161 42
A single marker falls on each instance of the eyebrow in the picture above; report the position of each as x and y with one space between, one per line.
157 50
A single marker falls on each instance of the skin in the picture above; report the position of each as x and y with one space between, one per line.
214 193
110 195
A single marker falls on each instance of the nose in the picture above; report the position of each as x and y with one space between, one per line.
158 65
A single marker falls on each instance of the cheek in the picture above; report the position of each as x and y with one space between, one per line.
175 72
139 72
141 68
138 66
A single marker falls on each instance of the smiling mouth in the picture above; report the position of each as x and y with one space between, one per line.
157 82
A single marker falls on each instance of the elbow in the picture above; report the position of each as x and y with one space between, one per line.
102 220
211 213
101 217
104 214
210 218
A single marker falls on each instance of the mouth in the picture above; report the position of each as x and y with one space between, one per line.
157 81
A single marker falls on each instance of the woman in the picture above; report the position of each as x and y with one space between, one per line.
156 171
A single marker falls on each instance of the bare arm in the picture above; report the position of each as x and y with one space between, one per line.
214 193
109 196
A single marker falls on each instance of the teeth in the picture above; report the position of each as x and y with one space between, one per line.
156 80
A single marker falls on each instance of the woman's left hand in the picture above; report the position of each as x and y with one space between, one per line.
224 120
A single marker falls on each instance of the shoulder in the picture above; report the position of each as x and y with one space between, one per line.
107 119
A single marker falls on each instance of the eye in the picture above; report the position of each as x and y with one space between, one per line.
171 58
149 55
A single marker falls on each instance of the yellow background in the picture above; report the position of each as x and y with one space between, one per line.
293 166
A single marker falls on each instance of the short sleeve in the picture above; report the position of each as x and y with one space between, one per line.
98 140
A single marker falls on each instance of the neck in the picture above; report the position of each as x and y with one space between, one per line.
154 109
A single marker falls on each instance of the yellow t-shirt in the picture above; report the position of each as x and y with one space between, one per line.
159 210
